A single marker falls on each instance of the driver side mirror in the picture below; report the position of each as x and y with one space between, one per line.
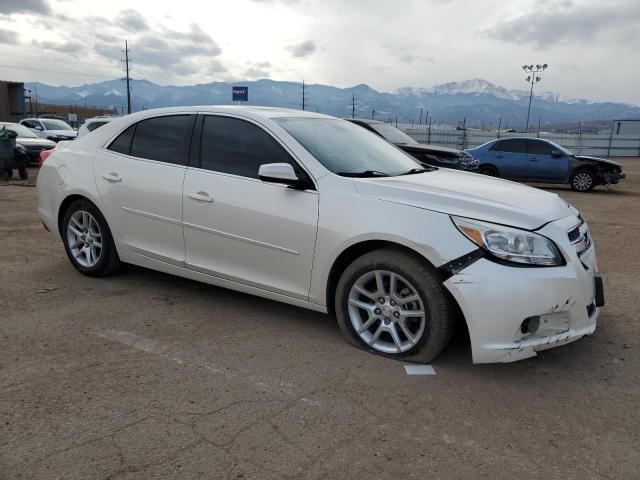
556 153
279 173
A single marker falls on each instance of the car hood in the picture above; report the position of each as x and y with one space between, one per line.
597 159
469 195
63 133
429 149
35 142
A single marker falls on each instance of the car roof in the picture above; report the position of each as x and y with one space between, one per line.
249 111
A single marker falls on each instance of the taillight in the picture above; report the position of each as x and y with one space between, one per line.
43 156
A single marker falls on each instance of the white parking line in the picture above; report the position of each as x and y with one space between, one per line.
419 370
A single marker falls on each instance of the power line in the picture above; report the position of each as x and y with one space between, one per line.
65 72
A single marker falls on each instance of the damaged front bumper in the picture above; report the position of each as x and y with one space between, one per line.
513 313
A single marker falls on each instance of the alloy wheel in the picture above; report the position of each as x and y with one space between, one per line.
582 181
84 239
386 311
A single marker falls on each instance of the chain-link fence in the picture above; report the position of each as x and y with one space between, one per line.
601 145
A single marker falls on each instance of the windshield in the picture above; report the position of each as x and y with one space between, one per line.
55 125
21 131
343 147
562 149
393 134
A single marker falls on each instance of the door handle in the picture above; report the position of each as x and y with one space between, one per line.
499 156
112 177
533 159
201 197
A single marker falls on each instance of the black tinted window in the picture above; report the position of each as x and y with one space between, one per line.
122 144
511 146
93 125
234 146
162 138
539 148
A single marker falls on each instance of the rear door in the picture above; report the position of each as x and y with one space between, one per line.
510 157
238 227
139 178
543 166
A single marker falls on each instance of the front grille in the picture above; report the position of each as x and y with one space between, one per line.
574 235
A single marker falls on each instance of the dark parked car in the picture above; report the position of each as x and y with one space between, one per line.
429 154
28 143
539 160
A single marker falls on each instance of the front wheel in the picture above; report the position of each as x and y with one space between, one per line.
394 304
88 241
582 181
24 173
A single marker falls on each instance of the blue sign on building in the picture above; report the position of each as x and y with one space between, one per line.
240 94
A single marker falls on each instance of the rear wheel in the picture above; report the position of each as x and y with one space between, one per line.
88 241
393 304
582 181
489 171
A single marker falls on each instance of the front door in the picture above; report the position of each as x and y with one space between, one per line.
241 228
543 166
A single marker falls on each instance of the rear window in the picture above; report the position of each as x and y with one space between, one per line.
122 144
93 125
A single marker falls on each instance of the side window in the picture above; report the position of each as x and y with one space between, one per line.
164 139
510 146
28 123
539 148
122 144
230 145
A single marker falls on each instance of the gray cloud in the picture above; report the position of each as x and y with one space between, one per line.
566 22
8 37
69 47
258 70
302 49
8 7
132 21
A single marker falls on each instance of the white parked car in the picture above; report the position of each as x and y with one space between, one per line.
317 212
92 124
50 128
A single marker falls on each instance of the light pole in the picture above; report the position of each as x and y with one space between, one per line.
533 78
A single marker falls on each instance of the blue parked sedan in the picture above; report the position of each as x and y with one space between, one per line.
538 160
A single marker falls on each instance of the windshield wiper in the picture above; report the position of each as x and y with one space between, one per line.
363 174
413 171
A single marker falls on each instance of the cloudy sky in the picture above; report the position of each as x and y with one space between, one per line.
591 46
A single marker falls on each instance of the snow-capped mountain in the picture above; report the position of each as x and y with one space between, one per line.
478 101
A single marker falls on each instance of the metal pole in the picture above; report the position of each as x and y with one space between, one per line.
429 137
610 138
499 125
530 95
420 121
538 128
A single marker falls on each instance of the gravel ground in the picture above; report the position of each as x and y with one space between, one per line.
143 375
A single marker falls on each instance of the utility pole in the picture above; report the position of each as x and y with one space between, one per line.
373 114
499 125
126 62
304 95
420 121
533 78
353 105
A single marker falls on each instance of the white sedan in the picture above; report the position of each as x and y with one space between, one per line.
317 212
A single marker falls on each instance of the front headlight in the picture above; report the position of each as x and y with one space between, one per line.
510 244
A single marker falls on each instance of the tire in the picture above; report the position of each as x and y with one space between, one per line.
582 181
489 171
24 173
431 332
85 218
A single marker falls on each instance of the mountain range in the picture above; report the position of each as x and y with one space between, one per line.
477 101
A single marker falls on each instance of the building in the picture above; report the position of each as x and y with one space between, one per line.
626 127
12 101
